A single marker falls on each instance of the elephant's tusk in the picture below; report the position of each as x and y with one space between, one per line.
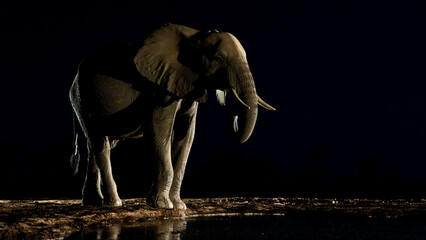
265 105
239 99
235 123
221 97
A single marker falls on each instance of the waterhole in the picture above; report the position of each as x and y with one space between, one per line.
307 226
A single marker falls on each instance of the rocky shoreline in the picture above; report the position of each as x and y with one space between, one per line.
47 219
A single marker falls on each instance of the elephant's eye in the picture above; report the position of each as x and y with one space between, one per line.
218 58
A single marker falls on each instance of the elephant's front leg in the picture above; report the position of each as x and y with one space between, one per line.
184 131
161 134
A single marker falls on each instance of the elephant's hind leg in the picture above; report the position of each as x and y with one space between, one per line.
92 194
101 149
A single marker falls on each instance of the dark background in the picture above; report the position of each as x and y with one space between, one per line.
348 80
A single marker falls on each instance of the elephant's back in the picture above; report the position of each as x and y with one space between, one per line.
108 79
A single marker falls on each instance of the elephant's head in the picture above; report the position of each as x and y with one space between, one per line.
184 60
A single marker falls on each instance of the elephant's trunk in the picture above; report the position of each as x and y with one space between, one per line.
241 80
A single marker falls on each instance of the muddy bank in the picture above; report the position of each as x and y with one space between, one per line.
41 219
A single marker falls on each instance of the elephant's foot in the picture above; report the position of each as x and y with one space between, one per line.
114 202
178 203
159 201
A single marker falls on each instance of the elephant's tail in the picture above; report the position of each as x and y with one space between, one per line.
75 157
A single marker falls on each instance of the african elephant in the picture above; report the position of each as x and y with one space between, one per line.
121 92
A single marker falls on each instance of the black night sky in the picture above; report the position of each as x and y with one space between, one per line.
348 80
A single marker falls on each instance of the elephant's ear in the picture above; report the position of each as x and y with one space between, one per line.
157 59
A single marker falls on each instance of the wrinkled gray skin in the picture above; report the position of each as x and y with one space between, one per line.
153 91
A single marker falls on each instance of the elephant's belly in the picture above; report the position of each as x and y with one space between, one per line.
120 127
134 134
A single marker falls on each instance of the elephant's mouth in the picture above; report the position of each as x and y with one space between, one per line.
244 105
238 107
232 109
235 111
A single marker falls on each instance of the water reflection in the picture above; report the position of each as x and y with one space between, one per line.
301 225
168 229
110 233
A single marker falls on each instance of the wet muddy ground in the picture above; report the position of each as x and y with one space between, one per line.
47 219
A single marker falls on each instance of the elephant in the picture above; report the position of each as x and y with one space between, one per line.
122 92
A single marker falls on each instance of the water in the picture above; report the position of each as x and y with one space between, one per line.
264 227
